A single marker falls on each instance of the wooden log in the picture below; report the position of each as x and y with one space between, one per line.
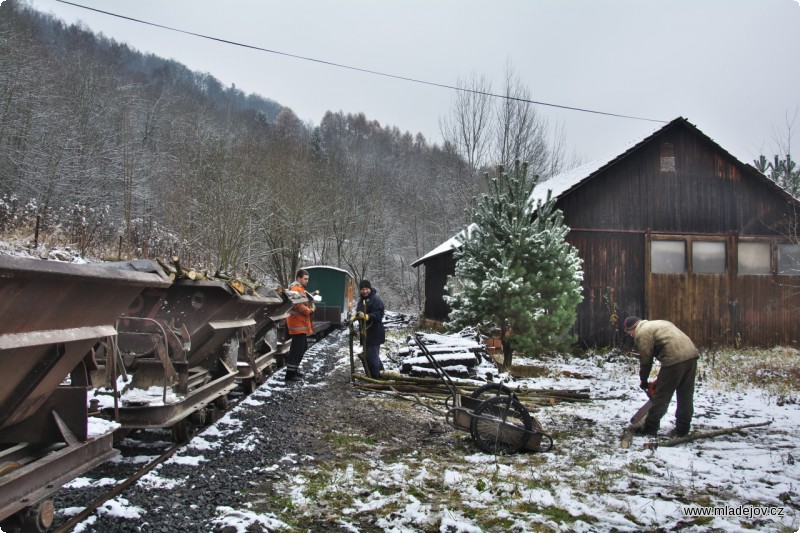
388 374
237 285
252 286
451 359
177 262
180 272
167 268
707 435
466 387
395 386
435 387
452 371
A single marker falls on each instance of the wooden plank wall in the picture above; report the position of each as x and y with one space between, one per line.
613 287
436 272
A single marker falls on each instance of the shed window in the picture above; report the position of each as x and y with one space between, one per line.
667 157
668 257
754 258
789 259
708 257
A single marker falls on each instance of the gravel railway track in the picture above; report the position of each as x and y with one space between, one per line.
260 433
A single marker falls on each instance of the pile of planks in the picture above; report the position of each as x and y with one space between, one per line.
456 355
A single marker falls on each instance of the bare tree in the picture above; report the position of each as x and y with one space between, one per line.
467 127
488 130
520 134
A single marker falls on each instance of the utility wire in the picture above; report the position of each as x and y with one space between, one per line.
358 69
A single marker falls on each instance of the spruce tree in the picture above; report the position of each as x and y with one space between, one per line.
515 272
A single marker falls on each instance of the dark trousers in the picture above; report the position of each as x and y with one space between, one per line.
296 352
678 379
374 361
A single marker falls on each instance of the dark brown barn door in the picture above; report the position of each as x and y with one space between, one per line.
688 283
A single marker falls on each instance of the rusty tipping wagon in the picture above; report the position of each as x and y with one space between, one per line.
52 316
493 415
180 351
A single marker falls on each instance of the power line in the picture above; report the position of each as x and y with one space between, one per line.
358 69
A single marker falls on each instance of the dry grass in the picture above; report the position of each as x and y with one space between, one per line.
775 370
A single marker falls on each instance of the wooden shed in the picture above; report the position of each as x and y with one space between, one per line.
673 228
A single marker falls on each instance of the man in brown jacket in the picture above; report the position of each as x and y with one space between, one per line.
662 340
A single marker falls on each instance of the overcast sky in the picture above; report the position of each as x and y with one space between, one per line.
729 66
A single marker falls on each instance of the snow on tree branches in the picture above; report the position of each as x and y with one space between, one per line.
515 272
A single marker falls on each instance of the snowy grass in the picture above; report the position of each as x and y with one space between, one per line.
587 483
774 371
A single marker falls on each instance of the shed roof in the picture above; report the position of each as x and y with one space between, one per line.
565 182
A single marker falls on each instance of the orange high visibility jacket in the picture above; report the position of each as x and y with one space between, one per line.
299 319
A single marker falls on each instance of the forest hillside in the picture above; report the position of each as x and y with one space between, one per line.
121 154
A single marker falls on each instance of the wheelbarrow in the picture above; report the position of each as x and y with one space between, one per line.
493 415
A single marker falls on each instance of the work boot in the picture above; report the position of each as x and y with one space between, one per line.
677 433
292 376
646 432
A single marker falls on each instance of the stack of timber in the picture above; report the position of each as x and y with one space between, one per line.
436 389
396 320
456 355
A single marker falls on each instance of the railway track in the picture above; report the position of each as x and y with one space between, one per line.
117 490
151 352
141 443
156 485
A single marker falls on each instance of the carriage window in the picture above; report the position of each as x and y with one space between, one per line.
708 257
754 258
668 257
789 259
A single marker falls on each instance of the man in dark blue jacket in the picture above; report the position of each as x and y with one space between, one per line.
370 314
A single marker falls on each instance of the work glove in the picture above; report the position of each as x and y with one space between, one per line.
362 316
644 385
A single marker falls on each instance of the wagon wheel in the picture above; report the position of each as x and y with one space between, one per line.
500 425
221 403
491 389
198 418
183 430
250 385
37 517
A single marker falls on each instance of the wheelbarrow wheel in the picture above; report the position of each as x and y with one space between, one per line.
491 389
500 424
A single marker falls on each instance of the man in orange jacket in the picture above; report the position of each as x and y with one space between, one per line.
300 326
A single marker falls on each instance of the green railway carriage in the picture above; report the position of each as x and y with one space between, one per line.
336 288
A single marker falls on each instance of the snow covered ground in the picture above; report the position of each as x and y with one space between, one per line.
748 481
587 482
